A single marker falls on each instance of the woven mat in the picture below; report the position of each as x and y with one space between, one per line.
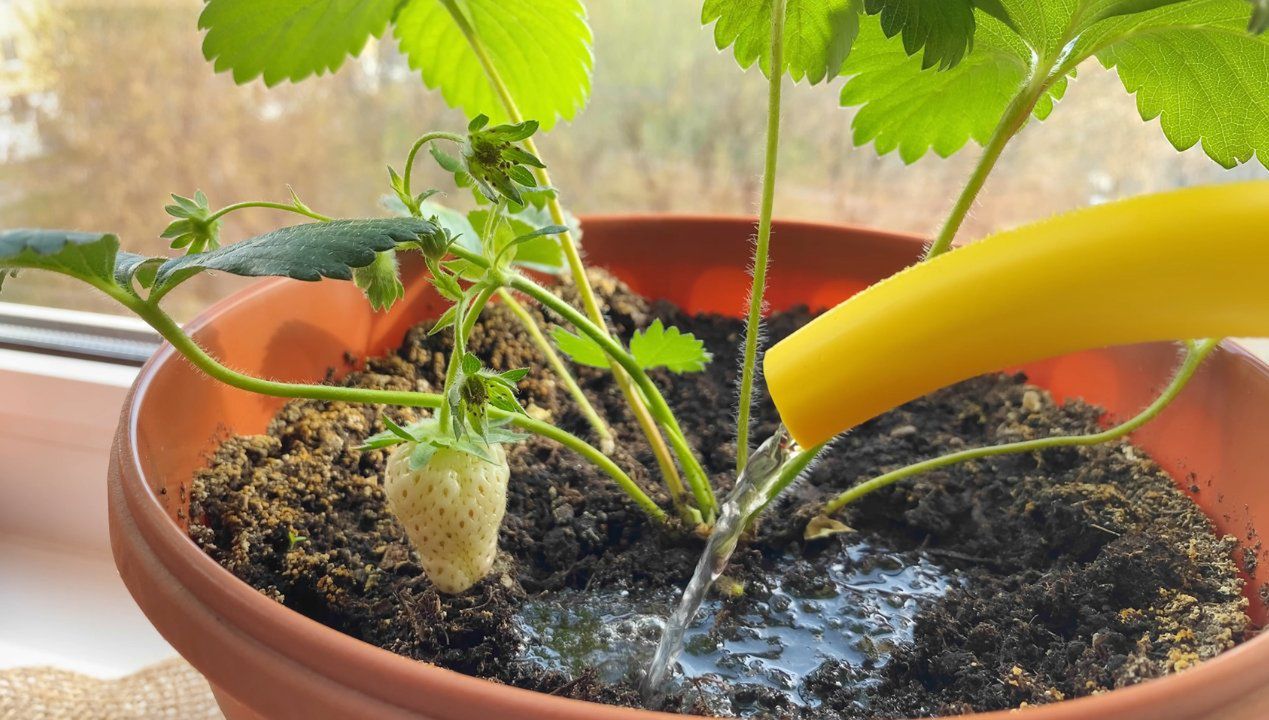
170 690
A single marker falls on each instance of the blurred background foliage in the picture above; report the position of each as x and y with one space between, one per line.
106 106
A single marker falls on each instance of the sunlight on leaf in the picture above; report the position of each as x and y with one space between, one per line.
1196 68
541 48
817 34
913 110
289 39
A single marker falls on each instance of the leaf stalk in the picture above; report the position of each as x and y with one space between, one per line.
697 478
1196 352
753 324
602 431
1015 117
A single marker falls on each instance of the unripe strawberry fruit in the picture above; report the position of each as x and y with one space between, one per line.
451 508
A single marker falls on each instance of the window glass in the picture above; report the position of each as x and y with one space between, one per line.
105 108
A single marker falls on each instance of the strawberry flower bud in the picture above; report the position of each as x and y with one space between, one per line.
193 228
495 163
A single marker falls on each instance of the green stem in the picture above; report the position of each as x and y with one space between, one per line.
696 476
572 255
461 333
790 472
561 370
753 326
508 101
414 150
1015 117
491 224
199 358
1195 354
599 459
269 205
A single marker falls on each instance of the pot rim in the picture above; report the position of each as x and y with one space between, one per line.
330 653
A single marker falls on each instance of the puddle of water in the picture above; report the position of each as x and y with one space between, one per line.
754 488
851 618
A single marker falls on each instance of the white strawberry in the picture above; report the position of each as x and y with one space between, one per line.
451 508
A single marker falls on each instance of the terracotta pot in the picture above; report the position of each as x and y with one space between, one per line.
266 661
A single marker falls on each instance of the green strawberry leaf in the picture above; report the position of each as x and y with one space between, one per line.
142 268
541 49
1191 63
90 257
581 349
1102 9
818 34
944 29
446 320
94 258
515 376
519 234
1194 66
657 346
289 39
304 252
913 110
668 347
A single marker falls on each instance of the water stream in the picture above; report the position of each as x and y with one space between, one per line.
749 495
809 626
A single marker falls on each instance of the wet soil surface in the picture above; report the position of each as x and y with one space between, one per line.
994 584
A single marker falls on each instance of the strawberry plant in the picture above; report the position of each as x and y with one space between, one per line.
935 75
924 74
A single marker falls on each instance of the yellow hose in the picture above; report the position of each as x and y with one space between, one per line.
1185 264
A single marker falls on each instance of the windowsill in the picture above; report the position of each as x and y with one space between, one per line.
61 608
1258 346
57 578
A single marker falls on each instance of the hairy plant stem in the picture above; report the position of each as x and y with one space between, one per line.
461 333
606 442
268 205
1016 115
414 151
578 270
696 477
790 472
674 483
1196 352
199 358
753 325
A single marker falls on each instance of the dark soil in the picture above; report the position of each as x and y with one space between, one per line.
1078 570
